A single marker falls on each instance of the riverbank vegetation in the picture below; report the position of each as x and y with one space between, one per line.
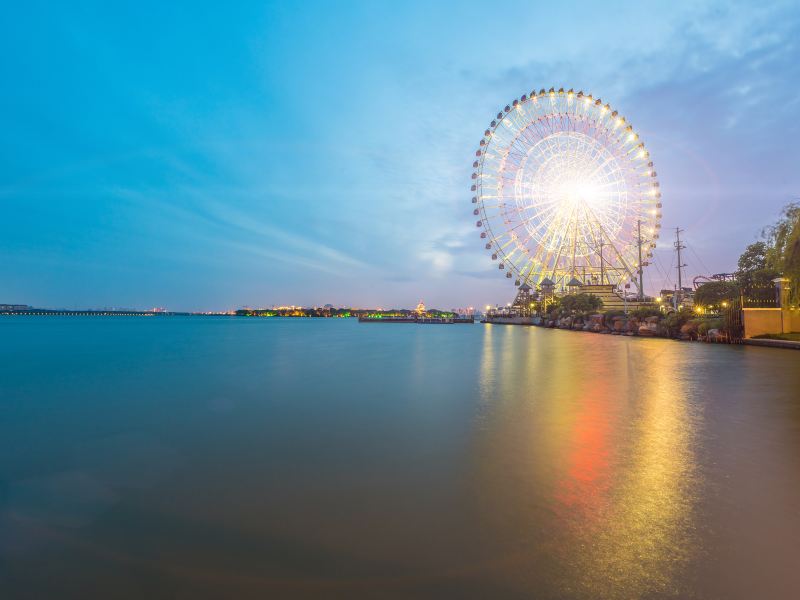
783 247
777 254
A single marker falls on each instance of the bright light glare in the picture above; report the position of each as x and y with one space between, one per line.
575 192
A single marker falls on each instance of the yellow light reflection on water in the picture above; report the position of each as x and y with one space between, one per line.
637 541
596 440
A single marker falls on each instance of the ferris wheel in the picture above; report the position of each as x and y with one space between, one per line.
564 189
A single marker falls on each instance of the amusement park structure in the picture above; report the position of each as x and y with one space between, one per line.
565 194
701 279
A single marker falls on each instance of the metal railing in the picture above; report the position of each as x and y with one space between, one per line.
761 297
734 325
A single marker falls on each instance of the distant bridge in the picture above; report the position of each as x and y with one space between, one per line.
90 313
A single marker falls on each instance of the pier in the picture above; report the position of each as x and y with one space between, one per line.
421 320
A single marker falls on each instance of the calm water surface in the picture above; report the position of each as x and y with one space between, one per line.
254 458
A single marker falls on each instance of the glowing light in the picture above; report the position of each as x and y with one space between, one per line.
576 192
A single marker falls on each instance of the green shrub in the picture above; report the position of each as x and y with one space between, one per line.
643 312
706 325
675 320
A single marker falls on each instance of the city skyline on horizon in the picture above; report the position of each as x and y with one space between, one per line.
263 154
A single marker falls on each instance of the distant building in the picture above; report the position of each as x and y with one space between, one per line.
523 302
667 298
14 307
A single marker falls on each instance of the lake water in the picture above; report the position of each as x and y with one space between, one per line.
252 458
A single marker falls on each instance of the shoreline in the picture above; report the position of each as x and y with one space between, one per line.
762 342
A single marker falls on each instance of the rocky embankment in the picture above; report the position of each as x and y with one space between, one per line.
652 326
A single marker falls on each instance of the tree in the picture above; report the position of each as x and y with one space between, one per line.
714 293
551 305
590 303
753 258
581 303
754 270
783 251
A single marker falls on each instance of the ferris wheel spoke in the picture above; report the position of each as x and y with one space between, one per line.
613 246
553 232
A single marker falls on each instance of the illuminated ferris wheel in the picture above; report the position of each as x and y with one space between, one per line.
564 189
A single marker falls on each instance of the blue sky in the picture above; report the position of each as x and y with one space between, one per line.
199 155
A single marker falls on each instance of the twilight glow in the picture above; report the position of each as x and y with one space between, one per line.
180 155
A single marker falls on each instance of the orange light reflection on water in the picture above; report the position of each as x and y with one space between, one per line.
585 484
